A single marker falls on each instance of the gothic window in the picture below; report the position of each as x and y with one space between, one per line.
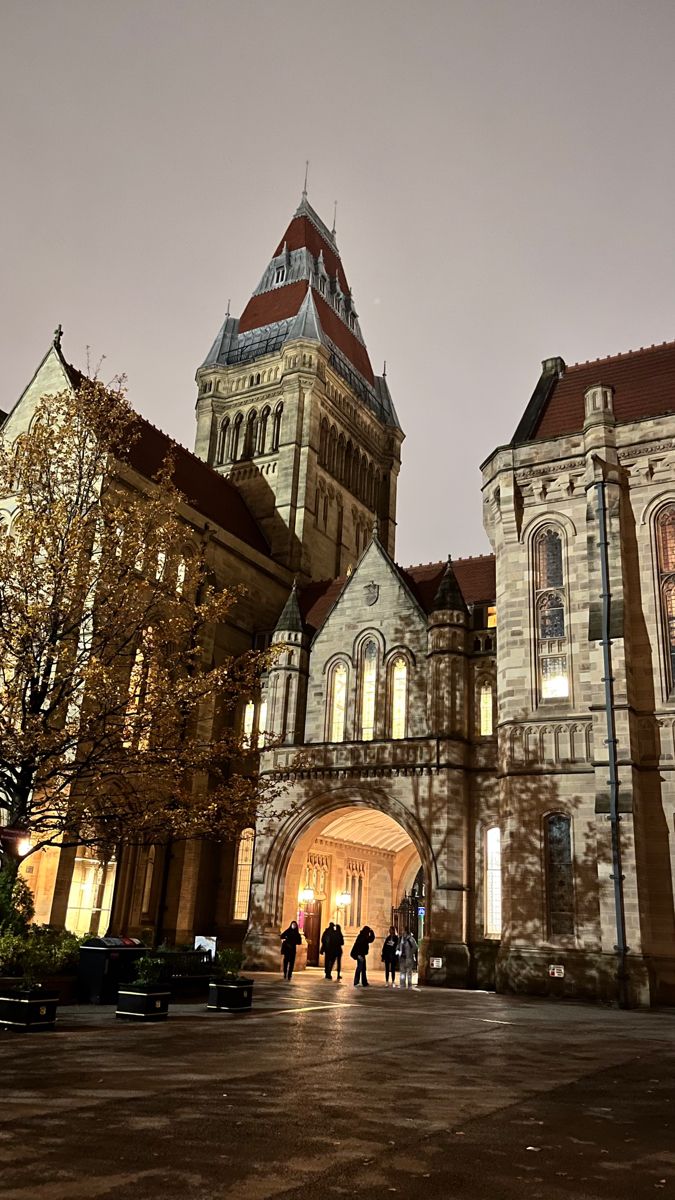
262 724
665 539
244 871
337 703
332 449
147 881
248 723
368 690
559 877
222 440
322 285
493 882
280 275
486 709
323 442
262 430
249 440
399 697
551 616
276 431
340 462
236 433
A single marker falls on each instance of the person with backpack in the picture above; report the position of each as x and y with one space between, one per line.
328 949
408 958
359 952
389 956
291 938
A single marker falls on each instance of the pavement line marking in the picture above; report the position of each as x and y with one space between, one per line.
275 1012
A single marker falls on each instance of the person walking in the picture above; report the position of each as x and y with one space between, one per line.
408 958
291 938
359 952
339 943
328 949
389 956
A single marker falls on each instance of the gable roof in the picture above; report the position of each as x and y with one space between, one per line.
643 382
475 576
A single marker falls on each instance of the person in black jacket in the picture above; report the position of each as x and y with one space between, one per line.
359 951
389 956
291 938
328 949
339 943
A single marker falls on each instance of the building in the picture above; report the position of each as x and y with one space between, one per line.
432 779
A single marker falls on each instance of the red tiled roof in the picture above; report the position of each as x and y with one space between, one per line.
204 489
302 232
284 302
643 382
475 576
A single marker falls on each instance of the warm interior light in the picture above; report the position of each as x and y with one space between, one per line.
307 894
343 899
23 847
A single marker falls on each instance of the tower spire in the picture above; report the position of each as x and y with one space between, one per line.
333 230
304 190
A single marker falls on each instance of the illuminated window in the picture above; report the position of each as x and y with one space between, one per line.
491 617
136 698
486 710
338 703
147 880
559 876
551 616
161 564
399 697
262 724
248 723
665 538
493 883
242 880
180 576
368 690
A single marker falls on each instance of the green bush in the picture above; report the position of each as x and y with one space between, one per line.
150 970
40 952
16 904
228 963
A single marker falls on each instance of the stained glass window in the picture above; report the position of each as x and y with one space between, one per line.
262 723
399 697
551 616
368 690
665 530
548 557
247 728
554 681
559 877
338 703
486 710
493 882
242 882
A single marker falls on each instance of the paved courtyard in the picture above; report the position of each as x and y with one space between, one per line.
328 1091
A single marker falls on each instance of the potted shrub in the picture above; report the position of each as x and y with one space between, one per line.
147 998
228 990
26 1004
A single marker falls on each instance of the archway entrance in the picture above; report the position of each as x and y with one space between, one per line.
354 866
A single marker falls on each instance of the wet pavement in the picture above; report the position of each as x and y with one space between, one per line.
329 1091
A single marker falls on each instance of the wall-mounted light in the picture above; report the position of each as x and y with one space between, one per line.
23 847
343 899
307 895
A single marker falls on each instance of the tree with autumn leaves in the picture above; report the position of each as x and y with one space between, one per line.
116 709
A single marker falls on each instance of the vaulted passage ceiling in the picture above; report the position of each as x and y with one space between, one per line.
367 827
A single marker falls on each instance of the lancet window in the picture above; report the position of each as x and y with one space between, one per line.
665 542
337 703
399 697
486 724
559 875
242 879
368 690
493 882
221 451
551 616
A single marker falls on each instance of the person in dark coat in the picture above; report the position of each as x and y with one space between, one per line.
359 951
291 938
339 943
389 956
328 949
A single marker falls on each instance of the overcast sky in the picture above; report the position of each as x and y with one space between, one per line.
505 175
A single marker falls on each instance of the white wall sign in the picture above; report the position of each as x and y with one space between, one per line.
435 963
556 971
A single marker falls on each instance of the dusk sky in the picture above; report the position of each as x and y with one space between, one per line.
505 177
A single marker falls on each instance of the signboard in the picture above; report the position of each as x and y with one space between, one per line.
421 910
435 963
556 971
205 943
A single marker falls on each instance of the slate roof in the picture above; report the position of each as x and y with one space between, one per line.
475 576
643 382
314 280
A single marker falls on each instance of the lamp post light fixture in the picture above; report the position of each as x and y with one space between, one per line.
307 895
343 899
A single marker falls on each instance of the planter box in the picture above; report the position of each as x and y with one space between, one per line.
230 995
32 1008
143 1004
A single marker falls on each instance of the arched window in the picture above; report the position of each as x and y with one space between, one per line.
340 461
236 432
399 697
493 882
551 616
248 722
368 690
559 876
222 440
242 878
262 724
249 440
262 430
332 449
276 430
147 880
337 701
486 709
323 442
665 542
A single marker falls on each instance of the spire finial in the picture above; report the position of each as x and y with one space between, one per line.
58 334
228 309
304 190
384 370
333 230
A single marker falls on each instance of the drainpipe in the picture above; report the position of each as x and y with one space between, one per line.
617 876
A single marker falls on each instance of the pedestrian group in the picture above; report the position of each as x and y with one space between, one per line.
399 954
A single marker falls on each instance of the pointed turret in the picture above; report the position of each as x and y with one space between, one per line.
449 596
290 620
287 685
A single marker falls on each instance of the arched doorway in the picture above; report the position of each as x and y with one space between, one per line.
353 867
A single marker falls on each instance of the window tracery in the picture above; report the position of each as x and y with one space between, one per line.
665 545
338 703
368 690
399 697
550 605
